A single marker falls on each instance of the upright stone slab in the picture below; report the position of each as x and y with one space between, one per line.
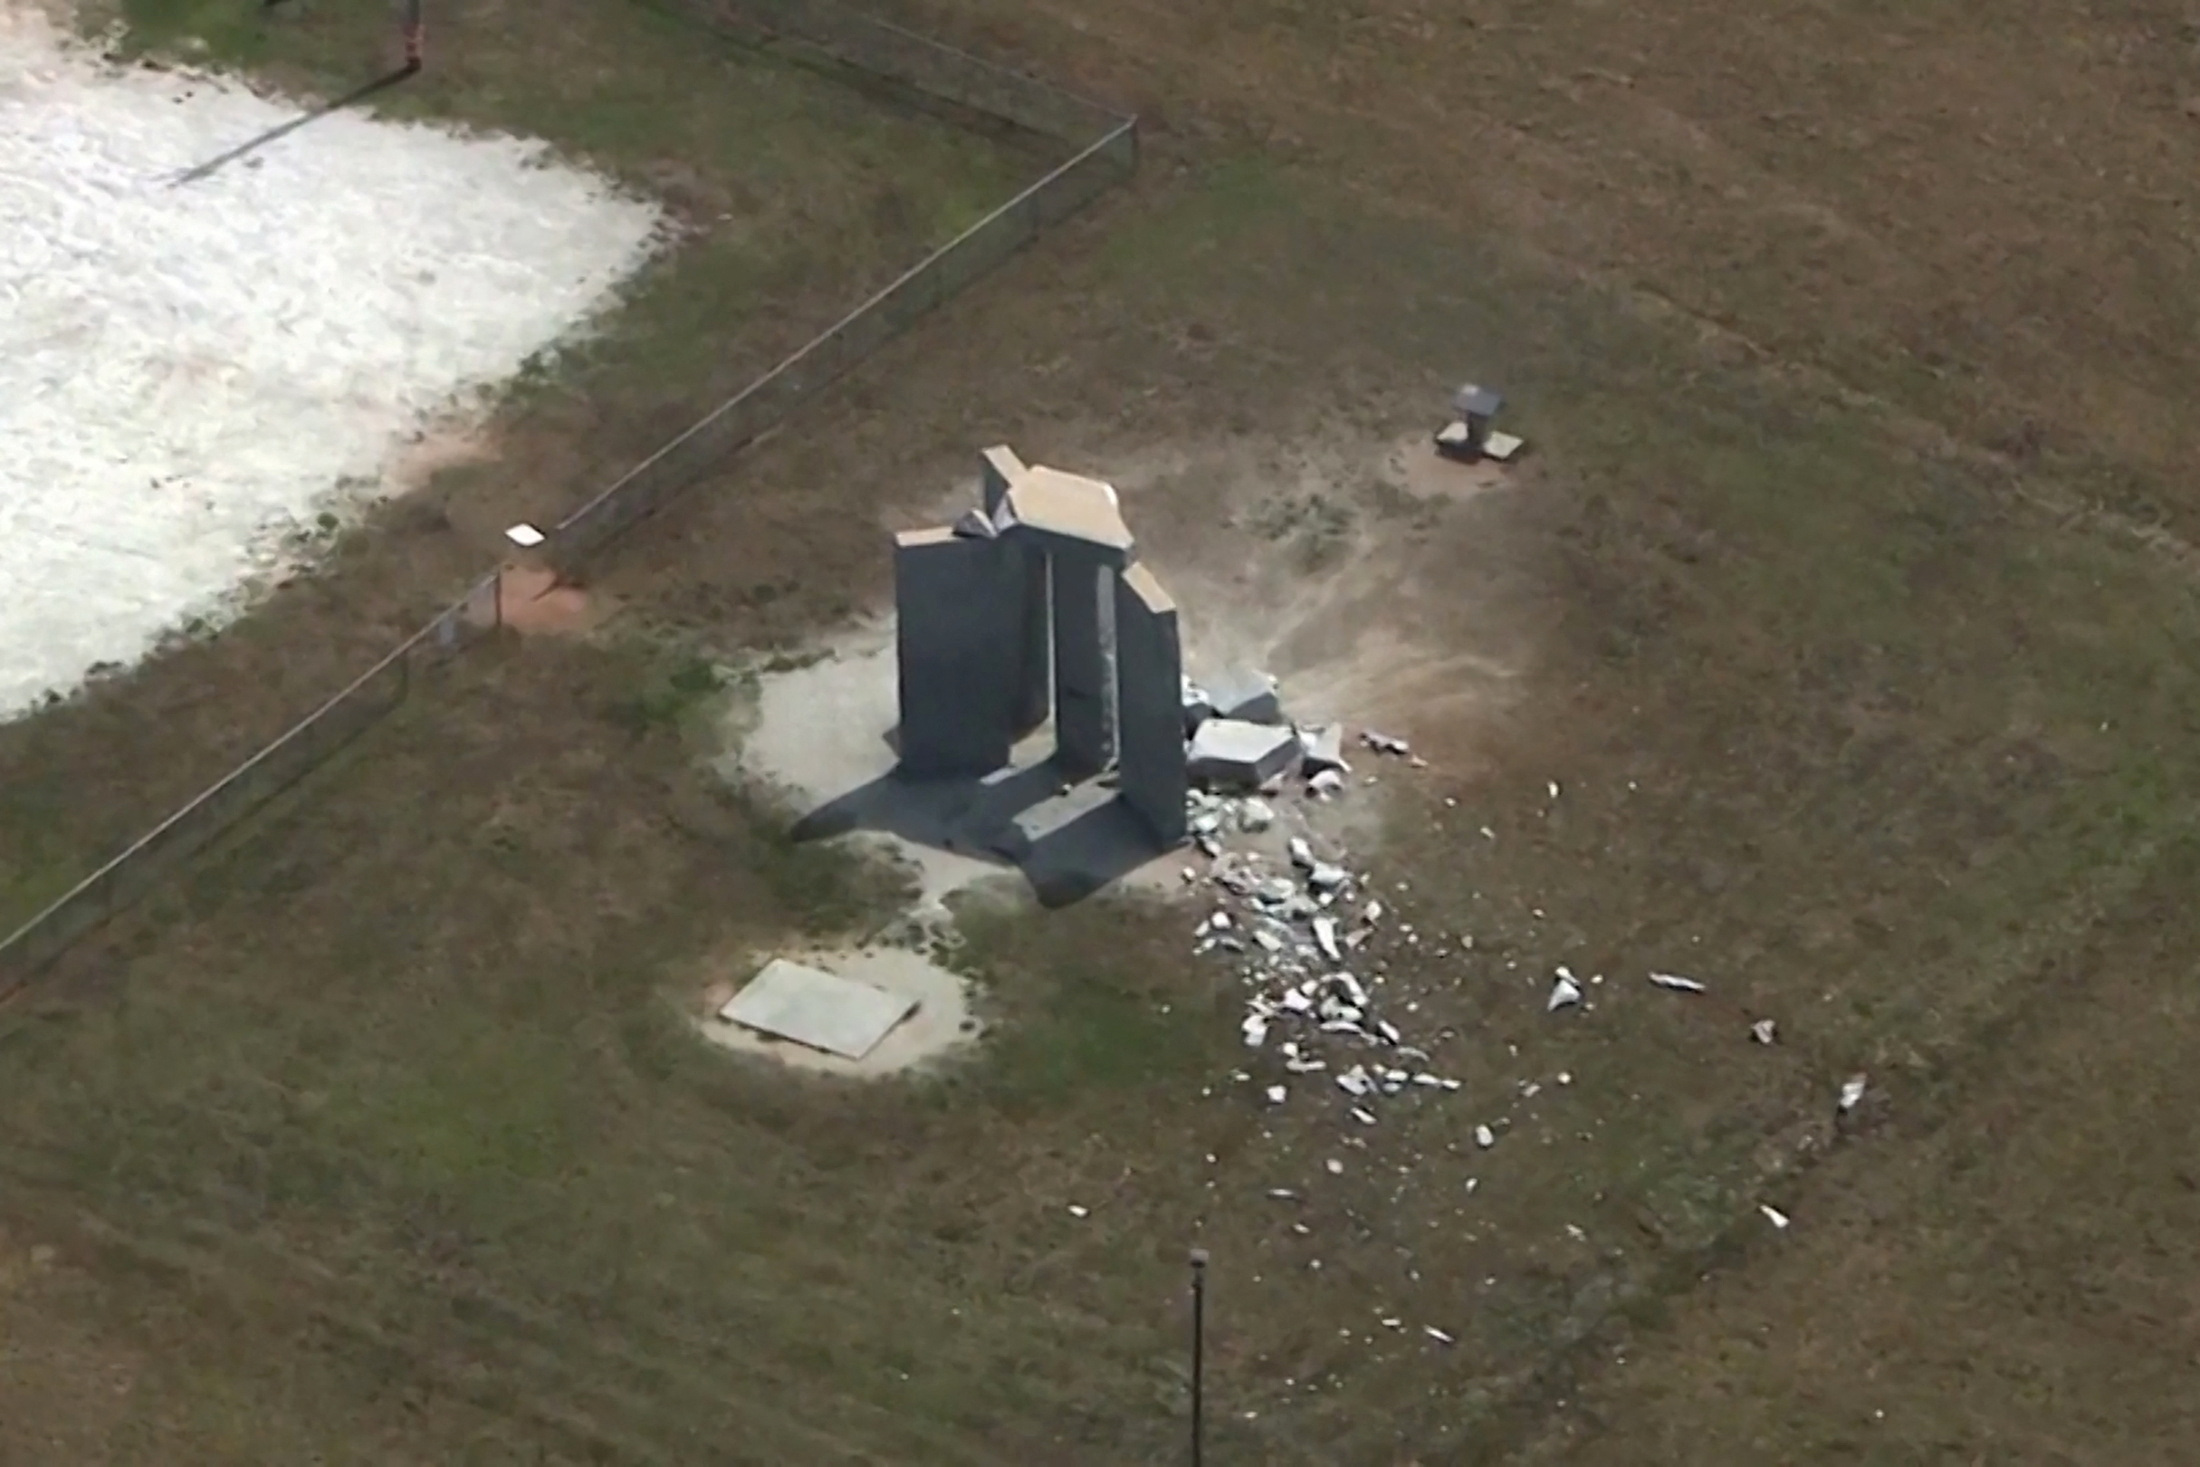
1035 659
958 609
1002 470
1082 736
1150 691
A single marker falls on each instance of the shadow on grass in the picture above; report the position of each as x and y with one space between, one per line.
1069 846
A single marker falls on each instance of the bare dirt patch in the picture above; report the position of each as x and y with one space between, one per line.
532 600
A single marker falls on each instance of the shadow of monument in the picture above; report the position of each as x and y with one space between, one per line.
1068 843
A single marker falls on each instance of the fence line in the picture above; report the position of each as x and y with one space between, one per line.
803 28
948 271
852 40
204 818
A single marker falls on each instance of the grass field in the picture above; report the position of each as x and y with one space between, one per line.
379 1137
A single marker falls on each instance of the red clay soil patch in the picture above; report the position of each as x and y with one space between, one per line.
531 599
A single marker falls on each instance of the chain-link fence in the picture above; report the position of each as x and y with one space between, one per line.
976 252
847 39
304 747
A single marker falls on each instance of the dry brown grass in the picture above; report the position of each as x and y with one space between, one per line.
1845 722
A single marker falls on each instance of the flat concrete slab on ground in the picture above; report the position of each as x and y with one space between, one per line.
819 1009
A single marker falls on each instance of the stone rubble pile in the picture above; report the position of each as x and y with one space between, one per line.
1305 930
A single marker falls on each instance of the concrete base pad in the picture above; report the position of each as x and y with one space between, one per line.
822 1010
935 1002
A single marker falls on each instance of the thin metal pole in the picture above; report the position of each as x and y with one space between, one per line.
1199 1351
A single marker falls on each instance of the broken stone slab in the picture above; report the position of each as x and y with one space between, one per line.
1234 753
1198 707
1245 695
1322 747
975 526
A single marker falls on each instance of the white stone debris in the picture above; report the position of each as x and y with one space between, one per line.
1673 982
1385 744
1255 816
1438 1335
1277 1094
1764 1031
1324 783
1334 1167
1554 789
1325 938
1565 993
1484 1137
1076 1211
1773 1215
1852 1093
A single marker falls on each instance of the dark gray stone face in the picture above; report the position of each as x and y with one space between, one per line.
959 613
1035 664
1083 736
1150 708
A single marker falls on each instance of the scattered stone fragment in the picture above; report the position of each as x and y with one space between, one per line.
1076 1211
1301 852
1276 1094
1326 876
1385 744
1325 938
1334 1167
1554 789
1355 1081
1283 1194
1255 1029
1324 783
1764 1031
1363 1116
1255 816
1437 1335
1675 983
1852 1093
1565 993
1484 1137
1773 1215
